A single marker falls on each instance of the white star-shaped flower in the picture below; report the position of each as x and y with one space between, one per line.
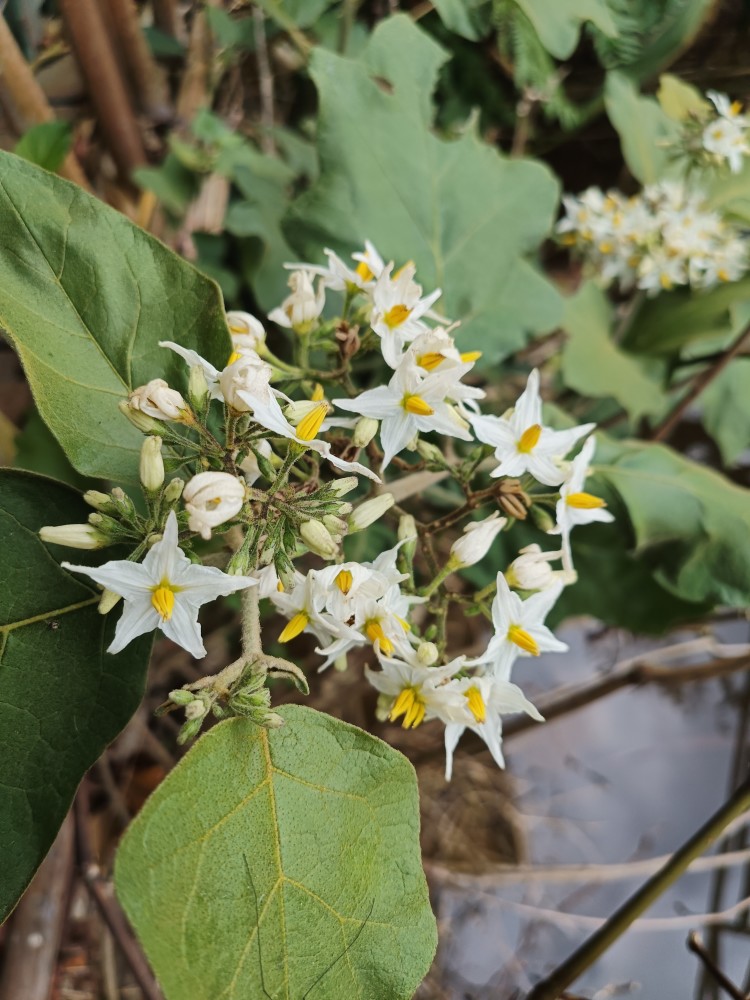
164 591
522 443
575 506
397 310
419 692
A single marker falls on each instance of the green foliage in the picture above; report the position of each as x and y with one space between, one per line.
594 365
63 698
469 18
558 22
295 853
47 144
38 451
87 323
462 212
644 128
726 414
678 99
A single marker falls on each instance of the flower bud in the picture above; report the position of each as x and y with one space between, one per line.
343 486
370 511
247 332
258 463
430 453
364 431
99 501
173 490
211 498
318 539
301 309
157 400
144 423
247 374
531 569
198 391
427 653
189 731
335 525
152 465
107 601
196 709
181 697
541 518
407 533
476 540
75 536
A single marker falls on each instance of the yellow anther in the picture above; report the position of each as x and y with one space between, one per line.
280 587
735 107
529 439
477 706
417 405
309 426
584 501
404 624
374 632
396 315
722 274
431 360
317 393
294 626
237 329
605 247
469 357
665 281
162 599
411 706
364 271
344 581
234 356
521 638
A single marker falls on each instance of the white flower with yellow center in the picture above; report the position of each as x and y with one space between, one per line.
300 310
303 606
419 693
726 140
381 621
211 498
488 699
519 628
342 277
522 443
575 506
437 349
397 310
157 400
211 373
165 591
408 405
531 570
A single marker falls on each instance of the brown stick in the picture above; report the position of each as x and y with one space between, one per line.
109 96
166 17
195 88
695 945
663 430
147 77
29 99
36 930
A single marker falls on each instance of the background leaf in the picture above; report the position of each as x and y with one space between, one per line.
726 415
558 22
86 298
643 127
461 211
325 818
46 145
62 698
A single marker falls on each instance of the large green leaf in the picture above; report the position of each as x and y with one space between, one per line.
594 365
461 211
284 859
645 130
471 19
86 297
62 698
558 22
690 523
726 414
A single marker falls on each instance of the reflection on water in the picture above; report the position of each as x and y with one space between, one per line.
628 777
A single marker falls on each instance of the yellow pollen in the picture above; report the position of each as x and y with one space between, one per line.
417 405
722 274
529 439
430 361
234 356
396 315
374 632
665 281
294 626
469 357
309 426
364 271
280 587
521 638
584 501
162 599
735 107
317 393
411 706
344 581
477 706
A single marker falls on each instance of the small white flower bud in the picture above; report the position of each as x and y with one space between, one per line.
98 500
364 431
344 509
181 697
107 601
531 569
247 331
343 486
427 653
247 374
211 498
75 536
173 490
407 527
476 540
144 423
370 511
318 539
157 400
430 452
335 525
198 391
152 465
195 710
301 309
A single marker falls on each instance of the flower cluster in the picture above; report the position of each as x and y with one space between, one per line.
713 134
268 477
664 237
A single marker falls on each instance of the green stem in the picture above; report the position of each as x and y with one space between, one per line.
442 574
602 939
251 644
485 592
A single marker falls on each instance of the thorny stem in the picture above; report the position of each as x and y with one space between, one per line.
602 939
251 644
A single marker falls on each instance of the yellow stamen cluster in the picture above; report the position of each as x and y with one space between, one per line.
411 705
318 393
521 638
477 706
294 626
364 271
396 315
344 581
430 360
234 356
309 425
417 405
529 439
162 599
584 501
374 632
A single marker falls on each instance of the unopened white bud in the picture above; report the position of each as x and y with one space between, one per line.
107 601
173 490
144 423
301 309
247 332
318 539
365 430
246 374
427 653
195 709
157 400
152 465
430 452
476 540
343 486
198 390
98 500
407 528
531 569
370 511
75 536
211 498
335 525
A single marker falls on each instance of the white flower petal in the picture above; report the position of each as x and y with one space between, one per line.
138 616
183 628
